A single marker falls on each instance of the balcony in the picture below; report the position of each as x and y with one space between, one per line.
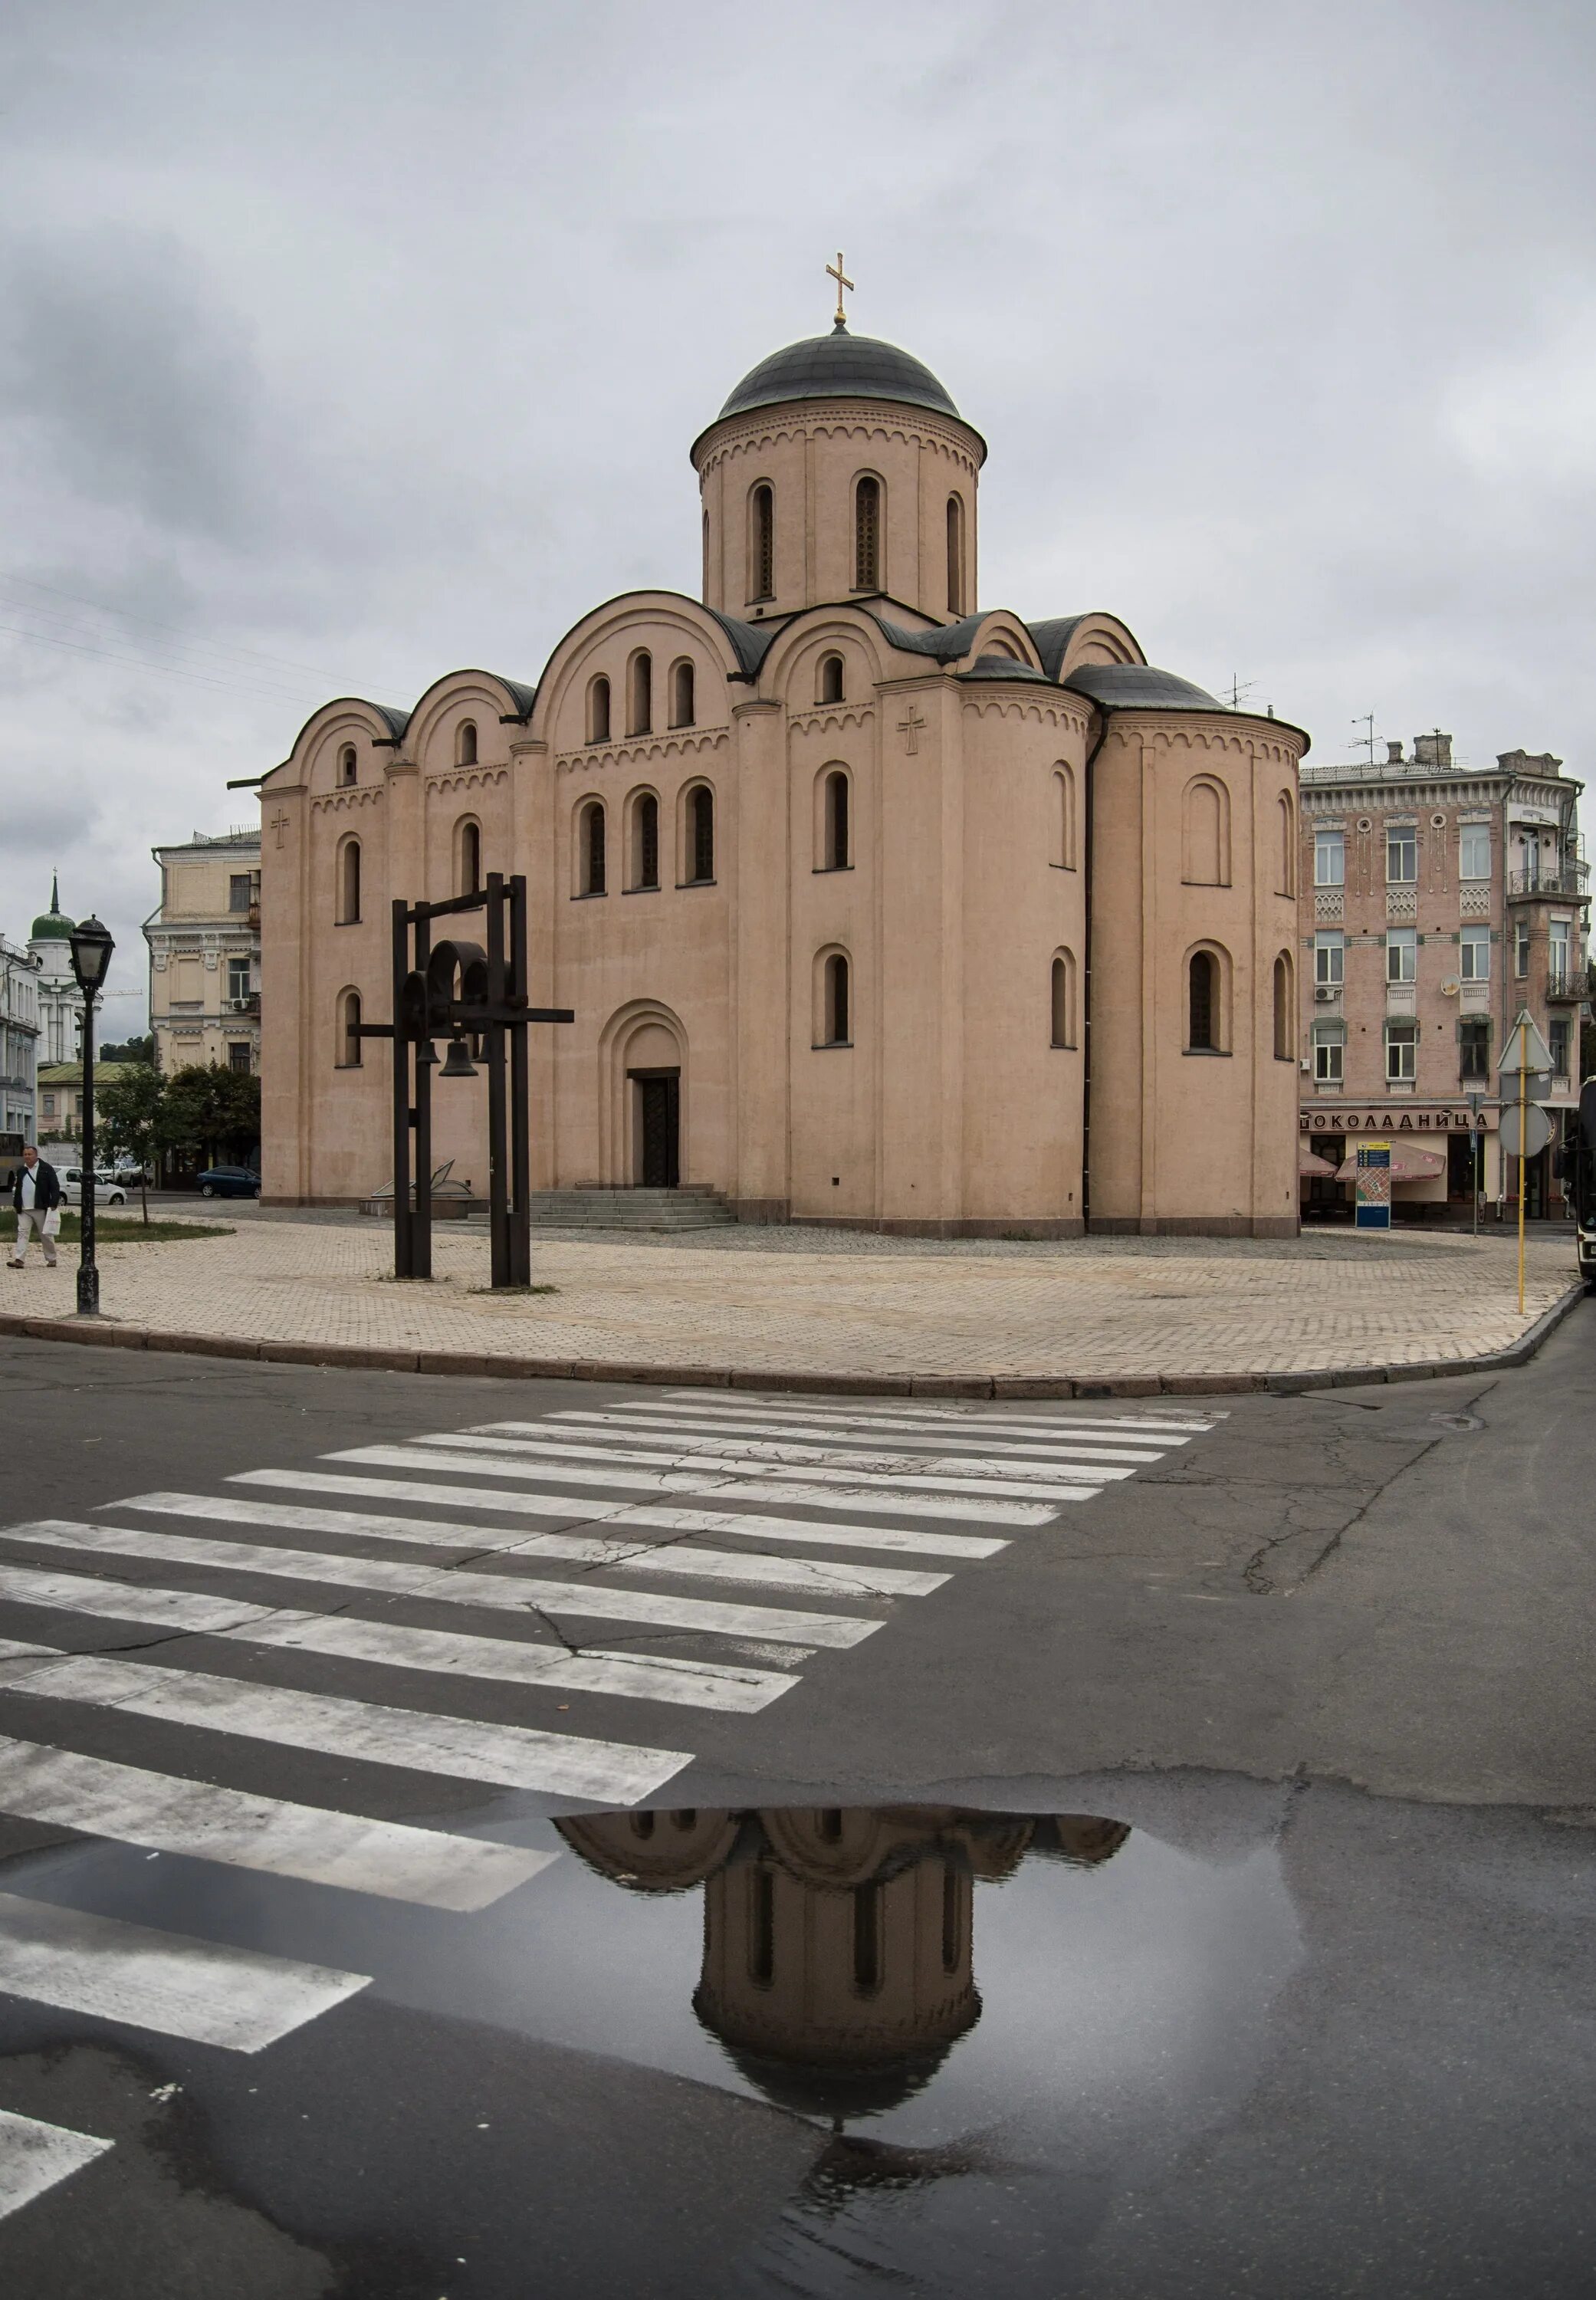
1569 884
249 1004
1566 989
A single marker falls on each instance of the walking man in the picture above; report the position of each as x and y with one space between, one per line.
35 1193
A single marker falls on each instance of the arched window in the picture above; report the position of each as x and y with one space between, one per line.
640 694
761 542
1202 1002
1063 999
831 678
955 556
682 704
590 848
645 841
700 854
762 1926
1285 1011
833 1020
1064 816
1288 845
347 767
867 1939
705 587
836 850
1205 833
867 535
598 709
349 883
349 1042
465 744
467 858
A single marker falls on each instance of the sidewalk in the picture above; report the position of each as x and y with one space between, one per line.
834 1308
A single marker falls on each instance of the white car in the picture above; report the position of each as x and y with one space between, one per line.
109 1190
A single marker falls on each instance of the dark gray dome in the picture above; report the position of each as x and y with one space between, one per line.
839 366
1141 686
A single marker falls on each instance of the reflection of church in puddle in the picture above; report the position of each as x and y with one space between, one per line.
838 1950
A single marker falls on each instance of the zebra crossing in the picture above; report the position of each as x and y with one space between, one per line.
709 1544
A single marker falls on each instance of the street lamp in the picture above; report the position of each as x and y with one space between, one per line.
91 948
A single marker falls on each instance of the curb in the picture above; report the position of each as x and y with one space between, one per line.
108 1334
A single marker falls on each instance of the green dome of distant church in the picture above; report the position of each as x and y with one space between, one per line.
53 926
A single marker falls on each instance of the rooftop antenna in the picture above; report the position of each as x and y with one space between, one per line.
1368 720
1238 687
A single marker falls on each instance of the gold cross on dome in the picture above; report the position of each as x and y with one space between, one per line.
834 271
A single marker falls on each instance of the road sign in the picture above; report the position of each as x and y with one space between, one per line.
1526 1050
1537 1130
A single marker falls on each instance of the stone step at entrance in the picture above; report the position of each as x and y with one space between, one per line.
693 1206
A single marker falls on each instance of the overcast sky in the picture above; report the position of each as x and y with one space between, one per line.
344 345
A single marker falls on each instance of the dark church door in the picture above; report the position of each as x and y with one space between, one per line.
660 1096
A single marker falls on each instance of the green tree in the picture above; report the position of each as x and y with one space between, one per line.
131 1107
130 1050
212 1111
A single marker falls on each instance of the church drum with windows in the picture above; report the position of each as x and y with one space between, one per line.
873 907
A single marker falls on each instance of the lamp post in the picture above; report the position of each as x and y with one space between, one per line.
91 948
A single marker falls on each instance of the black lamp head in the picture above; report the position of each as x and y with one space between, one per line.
91 946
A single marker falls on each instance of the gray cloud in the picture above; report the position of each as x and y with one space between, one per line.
373 340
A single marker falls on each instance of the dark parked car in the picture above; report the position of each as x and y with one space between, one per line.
229 1182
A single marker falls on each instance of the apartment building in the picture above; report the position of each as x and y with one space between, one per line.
1437 901
19 1039
204 943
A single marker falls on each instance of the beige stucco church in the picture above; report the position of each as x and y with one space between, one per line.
872 906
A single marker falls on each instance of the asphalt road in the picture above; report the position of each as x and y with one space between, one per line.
398 2023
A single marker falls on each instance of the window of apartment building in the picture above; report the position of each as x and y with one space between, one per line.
238 891
1560 953
1329 961
1401 855
1521 947
1474 1046
1329 1053
1474 851
1473 955
1401 955
49 1105
1559 1037
1401 1052
237 977
238 1055
1329 858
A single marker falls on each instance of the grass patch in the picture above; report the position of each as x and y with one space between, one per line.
121 1230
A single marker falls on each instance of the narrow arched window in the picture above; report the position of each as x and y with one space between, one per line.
706 555
867 1939
955 556
467 870
640 699
867 535
347 767
701 835
349 1042
645 841
953 1929
761 556
762 1926
1064 816
1286 1011
683 703
1063 999
831 678
1288 845
836 1018
598 709
465 747
1202 1002
836 850
591 849
349 883
1205 833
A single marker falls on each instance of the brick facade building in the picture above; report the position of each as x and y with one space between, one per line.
1437 900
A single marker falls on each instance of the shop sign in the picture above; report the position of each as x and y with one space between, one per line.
1372 1119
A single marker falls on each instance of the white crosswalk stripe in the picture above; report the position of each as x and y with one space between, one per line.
35 2157
172 1982
792 1499
208 1823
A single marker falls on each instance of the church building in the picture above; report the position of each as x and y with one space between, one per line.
873 905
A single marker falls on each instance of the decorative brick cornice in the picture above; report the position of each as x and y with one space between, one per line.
467 778
1048 712
345 802
827 715
843 419
680 743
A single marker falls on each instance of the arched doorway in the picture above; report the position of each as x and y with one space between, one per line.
643 1085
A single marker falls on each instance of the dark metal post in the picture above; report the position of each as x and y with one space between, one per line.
421 1229
404 1228
498 1208
88 1275
520 1160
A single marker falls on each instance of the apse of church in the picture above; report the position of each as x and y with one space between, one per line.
872 906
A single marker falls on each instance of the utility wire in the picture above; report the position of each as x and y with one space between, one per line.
130 614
